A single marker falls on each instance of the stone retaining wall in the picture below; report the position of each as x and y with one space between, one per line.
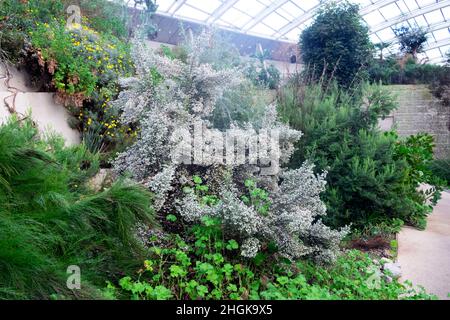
420 112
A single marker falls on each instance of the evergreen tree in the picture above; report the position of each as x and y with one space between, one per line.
337 43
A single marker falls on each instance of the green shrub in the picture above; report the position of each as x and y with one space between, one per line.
266 77
440 86
49 219
337 43
17 17
441 169
81 58
353 277
369 181
82 64
203 269
109 17
390 71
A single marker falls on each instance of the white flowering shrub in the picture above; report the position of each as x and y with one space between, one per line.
291 220
170 95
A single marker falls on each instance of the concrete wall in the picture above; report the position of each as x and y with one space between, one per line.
420 112
48 115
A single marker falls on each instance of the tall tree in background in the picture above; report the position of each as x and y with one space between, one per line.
411 40
337 43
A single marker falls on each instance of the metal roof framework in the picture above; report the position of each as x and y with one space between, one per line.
284 20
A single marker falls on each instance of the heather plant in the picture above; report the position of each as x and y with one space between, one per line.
172 94
169 94
244 103
288 218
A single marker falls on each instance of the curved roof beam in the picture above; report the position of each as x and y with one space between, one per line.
375 6
217 14
438 60
177 5
410 15
310 14
438 44
267 11
300 20
430 29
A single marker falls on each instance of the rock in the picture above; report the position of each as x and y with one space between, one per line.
103 178
385 260
393 269
388 279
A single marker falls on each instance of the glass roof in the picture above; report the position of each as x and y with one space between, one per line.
284 20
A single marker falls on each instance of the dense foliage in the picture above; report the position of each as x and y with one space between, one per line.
440 86
207 268
154 226
50 219
390 71
337 44
263 74
404 68
441 169
177 96
370 178
81 62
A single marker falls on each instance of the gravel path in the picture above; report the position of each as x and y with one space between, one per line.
425 255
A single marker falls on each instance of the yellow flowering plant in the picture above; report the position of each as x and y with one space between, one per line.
85 66
83 58
81 63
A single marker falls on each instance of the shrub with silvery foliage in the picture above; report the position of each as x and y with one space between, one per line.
292 222
167 95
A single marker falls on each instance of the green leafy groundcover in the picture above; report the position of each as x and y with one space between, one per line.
206 268
49 220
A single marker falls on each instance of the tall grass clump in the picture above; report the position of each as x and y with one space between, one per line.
50 219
